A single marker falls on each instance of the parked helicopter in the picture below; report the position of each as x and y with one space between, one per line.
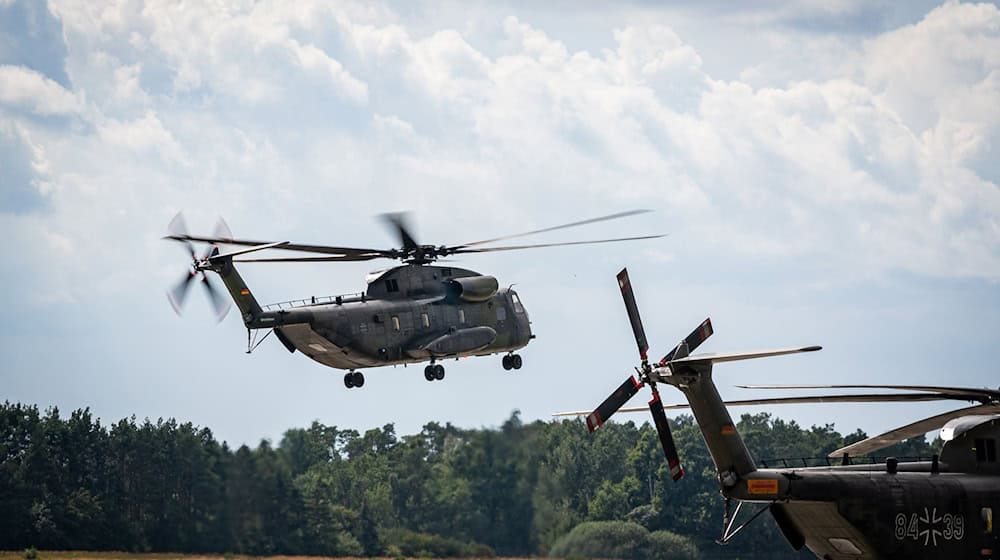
942 508
411 313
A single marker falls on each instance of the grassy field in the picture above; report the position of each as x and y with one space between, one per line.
85 555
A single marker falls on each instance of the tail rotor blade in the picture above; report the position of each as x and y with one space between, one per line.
178 227
222 230
622 394
633 313
178 294
219 303
666 438
689 344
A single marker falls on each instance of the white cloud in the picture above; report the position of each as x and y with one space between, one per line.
25 89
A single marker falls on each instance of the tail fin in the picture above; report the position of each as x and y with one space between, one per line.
247 304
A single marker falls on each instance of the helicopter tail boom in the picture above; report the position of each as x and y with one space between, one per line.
250 309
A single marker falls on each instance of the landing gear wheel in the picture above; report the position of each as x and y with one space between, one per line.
515 361
507 362
349 380
438 372
429 373
358 379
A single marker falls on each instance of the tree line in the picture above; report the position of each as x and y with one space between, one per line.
73 483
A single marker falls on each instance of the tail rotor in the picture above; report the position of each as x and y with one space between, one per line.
647 376
178 294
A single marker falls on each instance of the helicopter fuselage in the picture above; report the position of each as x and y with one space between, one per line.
408 314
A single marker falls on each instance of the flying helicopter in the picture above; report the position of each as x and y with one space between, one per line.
412 313
849 507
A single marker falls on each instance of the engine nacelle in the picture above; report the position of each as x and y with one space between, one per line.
474 289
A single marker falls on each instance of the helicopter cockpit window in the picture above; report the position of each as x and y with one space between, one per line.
518 308
392 285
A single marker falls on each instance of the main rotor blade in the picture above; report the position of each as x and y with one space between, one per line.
810 399
219 303
633 313
690 343
917 428
622 394
337 258
554 228
666 438
460 249
398 221
301 247
178 293
973 393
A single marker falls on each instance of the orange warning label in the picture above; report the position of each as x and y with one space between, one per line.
762 486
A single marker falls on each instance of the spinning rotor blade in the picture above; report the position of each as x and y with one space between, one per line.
177 228
633 314
219 303
622 394
692 341
666 438
222 230
178 293
398 222
917 428
337 258
460 249
554 228
301 247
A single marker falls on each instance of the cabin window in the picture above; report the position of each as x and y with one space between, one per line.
986 450
518 308
395 323
501 313
987 514
461 316
425 320
391 285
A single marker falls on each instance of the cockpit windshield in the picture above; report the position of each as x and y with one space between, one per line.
518 308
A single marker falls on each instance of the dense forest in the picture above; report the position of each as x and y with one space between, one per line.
520 489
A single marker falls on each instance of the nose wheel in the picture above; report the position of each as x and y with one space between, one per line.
434 372
354 379
512 361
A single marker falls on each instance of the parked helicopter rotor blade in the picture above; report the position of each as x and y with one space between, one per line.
971 393
690 343
178 293
917 428
619 397
809 399
633 314
219 303
397 220
554 228
460 250
666 438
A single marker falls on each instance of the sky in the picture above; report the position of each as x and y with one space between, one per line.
826 172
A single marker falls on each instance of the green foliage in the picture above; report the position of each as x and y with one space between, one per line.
521 489
30 553
604 539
